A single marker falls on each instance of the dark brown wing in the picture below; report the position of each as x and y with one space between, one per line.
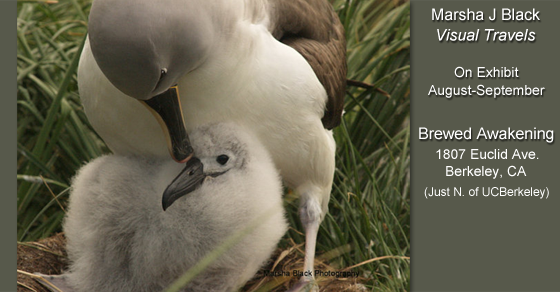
313 29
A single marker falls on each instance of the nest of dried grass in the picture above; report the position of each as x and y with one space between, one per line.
48 256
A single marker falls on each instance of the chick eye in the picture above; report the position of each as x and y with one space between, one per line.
222 159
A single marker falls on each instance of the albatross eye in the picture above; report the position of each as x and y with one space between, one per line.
222 159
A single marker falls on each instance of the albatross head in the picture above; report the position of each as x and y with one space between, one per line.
144 47
221 148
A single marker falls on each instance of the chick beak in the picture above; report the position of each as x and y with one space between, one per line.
166 107
188 180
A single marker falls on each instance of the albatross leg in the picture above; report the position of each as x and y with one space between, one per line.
310 213
311 230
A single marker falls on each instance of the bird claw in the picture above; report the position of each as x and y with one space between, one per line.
305 284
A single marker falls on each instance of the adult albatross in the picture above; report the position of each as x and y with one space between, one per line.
276 67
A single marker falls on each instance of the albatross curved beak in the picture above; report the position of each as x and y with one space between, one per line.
188 180
166 107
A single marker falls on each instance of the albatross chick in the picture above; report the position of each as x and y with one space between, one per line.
120 238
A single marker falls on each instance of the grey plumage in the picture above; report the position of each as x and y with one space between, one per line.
120 239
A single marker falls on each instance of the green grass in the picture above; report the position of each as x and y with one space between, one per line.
369 211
